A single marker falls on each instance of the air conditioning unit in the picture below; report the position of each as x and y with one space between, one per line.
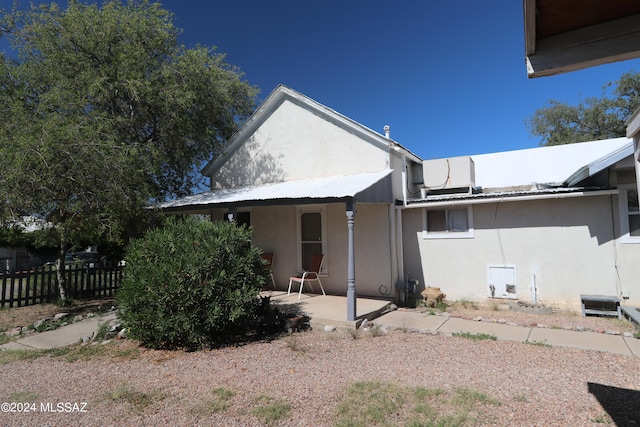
452 175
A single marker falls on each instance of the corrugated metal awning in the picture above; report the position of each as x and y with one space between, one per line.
367 187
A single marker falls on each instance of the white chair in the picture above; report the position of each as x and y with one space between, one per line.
309 276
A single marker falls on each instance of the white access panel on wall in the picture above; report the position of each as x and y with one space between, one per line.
502 281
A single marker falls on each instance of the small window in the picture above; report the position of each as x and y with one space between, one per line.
447 223
629 215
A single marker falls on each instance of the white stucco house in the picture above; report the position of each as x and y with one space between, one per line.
544 224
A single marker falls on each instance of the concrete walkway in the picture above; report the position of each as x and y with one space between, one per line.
328 311
419 322
61 337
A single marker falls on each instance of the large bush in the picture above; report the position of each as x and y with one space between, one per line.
190 284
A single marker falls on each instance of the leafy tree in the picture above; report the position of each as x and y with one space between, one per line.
104 111
593 119
191 283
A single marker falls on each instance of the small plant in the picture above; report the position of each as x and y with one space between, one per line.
271 410
441 305
602 419
539 343
475 337
49 325
102 331
127 394
636 335
468 398
220 402
295 345
521 397
354 333
376 331
23 396
3 338
466 303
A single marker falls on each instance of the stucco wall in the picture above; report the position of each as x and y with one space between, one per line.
274 230
566 243
294 143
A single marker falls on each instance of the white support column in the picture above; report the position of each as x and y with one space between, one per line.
351 262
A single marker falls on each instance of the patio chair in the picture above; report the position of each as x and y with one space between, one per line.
309 276
269 256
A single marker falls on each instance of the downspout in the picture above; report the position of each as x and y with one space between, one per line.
399 250
404 180
393 248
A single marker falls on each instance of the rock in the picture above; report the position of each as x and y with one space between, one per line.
115 327
477 319
122 334
91 315
77 318
502 321
628 334
393 307
512 324
60 316
580 328
329 328
85 339
15 331
445 314
364 324
611 332
64 323
24 330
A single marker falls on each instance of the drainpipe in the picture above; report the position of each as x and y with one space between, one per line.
404 180
534 289
393 247
399 250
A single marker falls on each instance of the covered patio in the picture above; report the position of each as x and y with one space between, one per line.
326 309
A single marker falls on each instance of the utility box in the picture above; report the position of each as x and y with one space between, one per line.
449 174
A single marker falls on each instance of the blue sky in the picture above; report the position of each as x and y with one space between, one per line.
448 77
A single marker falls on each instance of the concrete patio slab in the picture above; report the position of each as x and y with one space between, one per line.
501 331
634 345
408 320
326 309
584 340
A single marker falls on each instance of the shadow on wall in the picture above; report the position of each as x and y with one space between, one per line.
622 405
250 165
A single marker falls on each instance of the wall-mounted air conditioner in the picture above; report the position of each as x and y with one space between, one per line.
455 173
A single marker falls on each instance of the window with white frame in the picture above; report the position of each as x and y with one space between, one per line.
629 214
447 223
311 236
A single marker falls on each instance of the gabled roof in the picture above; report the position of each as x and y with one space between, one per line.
283 93
555 165
365 187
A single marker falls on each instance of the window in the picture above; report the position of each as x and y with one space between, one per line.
311 237
241 218
629 214
447 223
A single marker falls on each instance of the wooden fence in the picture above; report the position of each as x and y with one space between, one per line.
39 286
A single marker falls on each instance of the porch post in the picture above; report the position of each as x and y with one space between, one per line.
351 262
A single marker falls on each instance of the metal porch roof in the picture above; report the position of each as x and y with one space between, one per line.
366 187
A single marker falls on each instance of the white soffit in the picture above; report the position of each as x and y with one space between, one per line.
543 165
333 187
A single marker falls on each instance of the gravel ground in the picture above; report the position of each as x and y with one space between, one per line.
311 372
126 385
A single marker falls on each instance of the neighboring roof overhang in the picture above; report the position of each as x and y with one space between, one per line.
274 100
565 35
367 187
600 165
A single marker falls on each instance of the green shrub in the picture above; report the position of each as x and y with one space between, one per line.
190 284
